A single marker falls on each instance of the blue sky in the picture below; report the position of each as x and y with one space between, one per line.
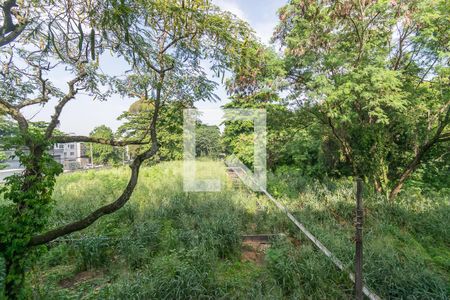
82 115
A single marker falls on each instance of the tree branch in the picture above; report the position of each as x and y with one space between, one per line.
104 210
444 138
345 147
424 148
9 31
15 114
87 139
176 40
59 107
29 102
144 57
123 198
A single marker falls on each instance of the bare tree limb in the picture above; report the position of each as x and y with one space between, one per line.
176 40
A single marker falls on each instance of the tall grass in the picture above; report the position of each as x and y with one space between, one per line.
169 244
406 242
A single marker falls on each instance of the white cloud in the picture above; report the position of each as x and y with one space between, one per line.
264 30
263 26
231 6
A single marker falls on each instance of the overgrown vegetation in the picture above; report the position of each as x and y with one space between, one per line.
366 90
357 89
170 244
43 41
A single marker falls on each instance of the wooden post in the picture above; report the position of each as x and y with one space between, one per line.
359 241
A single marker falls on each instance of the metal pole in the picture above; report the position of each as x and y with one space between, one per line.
359 240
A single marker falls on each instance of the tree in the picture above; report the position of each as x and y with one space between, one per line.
256 85
170 127
163 41
105 154
48 39
375 75
207 141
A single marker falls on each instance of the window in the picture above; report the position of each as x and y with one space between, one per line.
72 153
61 146
72 146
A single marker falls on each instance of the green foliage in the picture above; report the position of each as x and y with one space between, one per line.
27 204
188 245
207 141
368 89
7 128
2 159
302 273
372 76
105 154
163 42
170 128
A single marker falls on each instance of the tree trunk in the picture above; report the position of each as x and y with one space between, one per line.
410 169
16 253
421 153
378 185
399 184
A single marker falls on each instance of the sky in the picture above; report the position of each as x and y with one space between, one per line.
83 114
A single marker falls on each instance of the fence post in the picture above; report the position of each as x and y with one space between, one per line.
359 241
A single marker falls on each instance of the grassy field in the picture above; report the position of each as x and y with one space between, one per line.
168 244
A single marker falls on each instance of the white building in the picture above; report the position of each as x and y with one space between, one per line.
71 155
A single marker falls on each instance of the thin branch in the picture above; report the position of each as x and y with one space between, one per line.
176 40
423 149
144 57
59 107
345 146
444 137
426 72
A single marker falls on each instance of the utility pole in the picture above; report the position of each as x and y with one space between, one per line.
359 241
